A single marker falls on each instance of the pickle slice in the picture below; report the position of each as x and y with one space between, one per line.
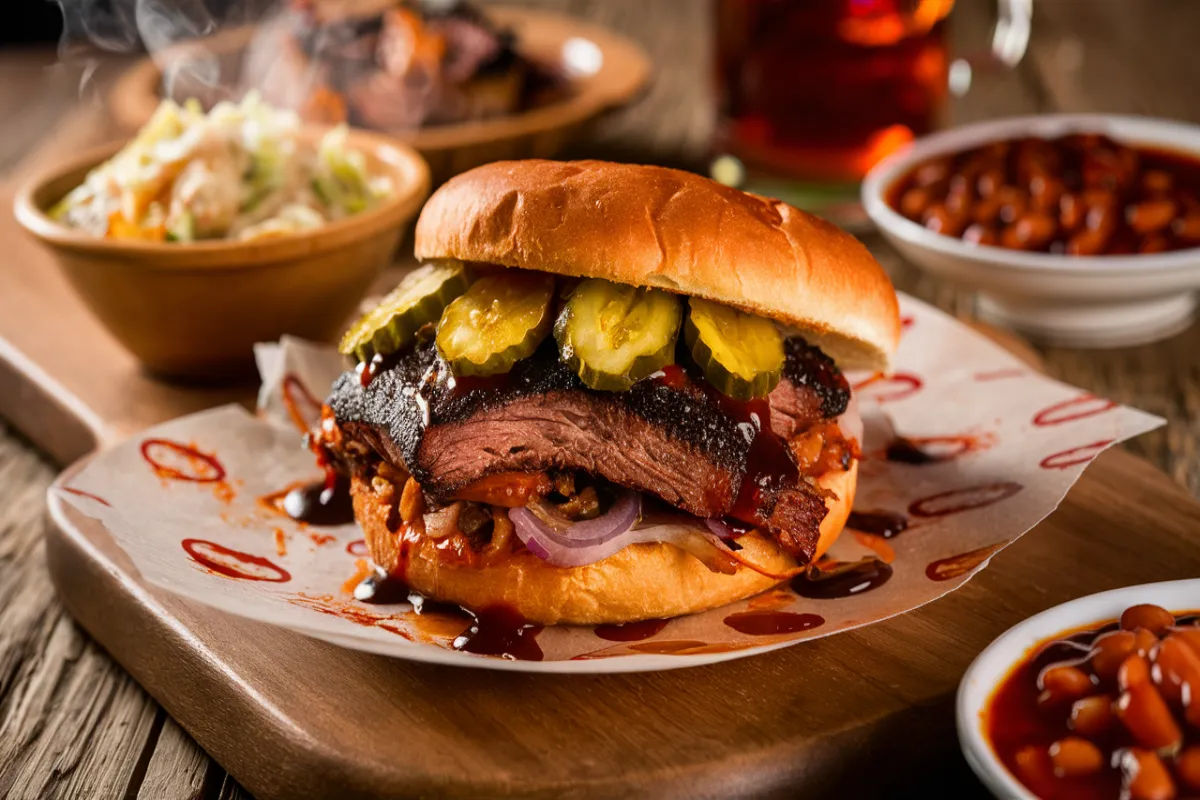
419 299
740 354
612 335
500 320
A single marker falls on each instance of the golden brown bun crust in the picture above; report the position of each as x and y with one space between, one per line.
643 581
652 226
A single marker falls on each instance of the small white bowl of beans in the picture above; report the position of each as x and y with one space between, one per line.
1095 699
1075 229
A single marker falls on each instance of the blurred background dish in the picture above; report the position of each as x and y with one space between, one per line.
522 83
1110 296
811 94
195 309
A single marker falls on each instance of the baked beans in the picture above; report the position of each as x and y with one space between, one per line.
1105 713
1082 194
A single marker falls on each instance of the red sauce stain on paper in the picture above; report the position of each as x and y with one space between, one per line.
885 389
89 495
1076 455
1082 407
967 499
302 407
945 569
347 610
229 563
174 461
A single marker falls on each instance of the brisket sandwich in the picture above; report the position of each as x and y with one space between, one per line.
611 393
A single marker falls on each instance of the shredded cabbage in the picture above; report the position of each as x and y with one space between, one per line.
240 171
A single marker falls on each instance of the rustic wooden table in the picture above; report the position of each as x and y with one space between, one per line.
73 724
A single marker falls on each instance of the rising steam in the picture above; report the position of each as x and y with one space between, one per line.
130 26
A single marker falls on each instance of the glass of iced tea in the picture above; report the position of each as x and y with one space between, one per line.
812 93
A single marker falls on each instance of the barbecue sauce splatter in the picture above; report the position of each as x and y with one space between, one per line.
959 500
497 630
887 524
836 579
770 623
221 560
164 457
385 590
500 630
631 631
324 502
945 569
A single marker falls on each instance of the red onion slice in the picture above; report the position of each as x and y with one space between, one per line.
583 543
721 528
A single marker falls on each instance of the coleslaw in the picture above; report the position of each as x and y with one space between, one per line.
239 172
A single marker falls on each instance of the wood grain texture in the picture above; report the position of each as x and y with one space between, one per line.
1108 55
176 768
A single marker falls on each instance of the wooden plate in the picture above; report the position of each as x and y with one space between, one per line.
604 70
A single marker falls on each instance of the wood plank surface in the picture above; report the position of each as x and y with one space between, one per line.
72 724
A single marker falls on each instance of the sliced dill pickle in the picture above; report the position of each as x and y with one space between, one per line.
613 335
419 299
740 354
500 320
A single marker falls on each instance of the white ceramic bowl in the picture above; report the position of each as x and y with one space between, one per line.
995 663
1098 301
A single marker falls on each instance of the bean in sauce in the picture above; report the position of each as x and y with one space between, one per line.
1106 712
1082 194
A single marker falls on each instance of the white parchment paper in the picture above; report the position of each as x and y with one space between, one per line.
1013 443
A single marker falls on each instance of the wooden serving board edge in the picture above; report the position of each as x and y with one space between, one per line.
42 408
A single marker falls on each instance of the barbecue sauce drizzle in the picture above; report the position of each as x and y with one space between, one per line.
769 464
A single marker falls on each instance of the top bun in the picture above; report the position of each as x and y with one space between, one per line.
652 226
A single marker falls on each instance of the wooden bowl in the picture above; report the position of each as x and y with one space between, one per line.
604 70
195 310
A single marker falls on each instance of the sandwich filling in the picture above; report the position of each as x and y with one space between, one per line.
670 453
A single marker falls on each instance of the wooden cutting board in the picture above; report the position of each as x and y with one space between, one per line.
294 717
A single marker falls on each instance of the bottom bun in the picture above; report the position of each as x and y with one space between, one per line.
644 581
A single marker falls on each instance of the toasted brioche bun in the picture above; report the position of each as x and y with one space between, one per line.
643 581
651 226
